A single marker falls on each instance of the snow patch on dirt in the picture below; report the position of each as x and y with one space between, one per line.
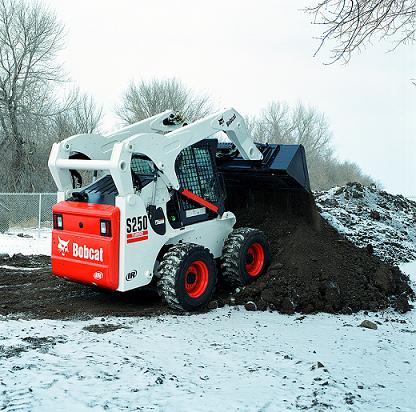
26 241
366 215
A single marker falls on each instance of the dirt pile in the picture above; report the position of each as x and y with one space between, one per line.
366 215
314 268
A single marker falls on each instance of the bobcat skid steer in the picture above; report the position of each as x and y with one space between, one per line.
155 209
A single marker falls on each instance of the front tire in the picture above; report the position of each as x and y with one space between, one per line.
246 256
187 277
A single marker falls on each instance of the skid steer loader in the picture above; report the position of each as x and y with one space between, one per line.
155 209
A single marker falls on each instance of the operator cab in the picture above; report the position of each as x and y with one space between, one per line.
202 196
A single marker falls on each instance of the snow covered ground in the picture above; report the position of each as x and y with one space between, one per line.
31 244
227 359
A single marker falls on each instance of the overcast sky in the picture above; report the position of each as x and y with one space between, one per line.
246 54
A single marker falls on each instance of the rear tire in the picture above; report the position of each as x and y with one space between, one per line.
187 277
246 256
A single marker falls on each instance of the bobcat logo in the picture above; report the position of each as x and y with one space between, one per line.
63 246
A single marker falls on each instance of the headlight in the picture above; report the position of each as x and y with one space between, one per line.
58 221
105 227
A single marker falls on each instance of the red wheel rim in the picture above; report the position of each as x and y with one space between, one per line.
196 279
254 259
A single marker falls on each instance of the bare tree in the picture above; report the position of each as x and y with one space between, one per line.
280 124
83 116
30 38
351 24
311 129
274 124
151 97
301 125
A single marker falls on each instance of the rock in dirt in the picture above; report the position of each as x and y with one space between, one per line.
374 214
402 305
250 306
213 305
103 328
287 306
24 235
318 365
368 324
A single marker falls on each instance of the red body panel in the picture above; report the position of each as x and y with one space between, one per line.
79 252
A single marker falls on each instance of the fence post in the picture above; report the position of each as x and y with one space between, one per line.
40 214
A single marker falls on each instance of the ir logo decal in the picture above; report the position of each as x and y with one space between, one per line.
131 275
98 275
63 246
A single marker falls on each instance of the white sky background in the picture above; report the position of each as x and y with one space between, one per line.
246 54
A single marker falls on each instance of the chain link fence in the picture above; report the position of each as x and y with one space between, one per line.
32 210
26 211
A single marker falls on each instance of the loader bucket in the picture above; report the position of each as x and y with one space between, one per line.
278 183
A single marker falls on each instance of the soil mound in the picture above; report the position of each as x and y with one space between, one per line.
365 214
314 268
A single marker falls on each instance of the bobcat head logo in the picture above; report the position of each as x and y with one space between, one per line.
63 246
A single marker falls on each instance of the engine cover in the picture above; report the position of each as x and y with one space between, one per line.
80 251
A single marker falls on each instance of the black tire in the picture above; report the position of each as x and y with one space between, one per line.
242 245
184 282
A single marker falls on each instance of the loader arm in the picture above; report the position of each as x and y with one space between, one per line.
163 150
228 121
